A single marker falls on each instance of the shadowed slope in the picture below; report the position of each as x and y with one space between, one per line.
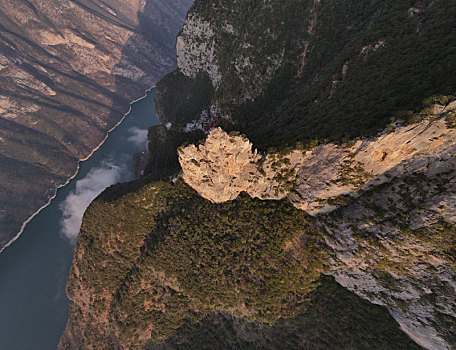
68 70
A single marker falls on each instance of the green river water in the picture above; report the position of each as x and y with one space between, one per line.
34 269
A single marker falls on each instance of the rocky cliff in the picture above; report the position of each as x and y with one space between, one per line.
386 205
158 267
68 71
316 180
327 70
225 165
244 246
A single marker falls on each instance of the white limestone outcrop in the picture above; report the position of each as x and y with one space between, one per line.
196 49
225 165
396 196
330 171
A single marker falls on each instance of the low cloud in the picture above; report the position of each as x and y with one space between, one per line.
138 137
87 189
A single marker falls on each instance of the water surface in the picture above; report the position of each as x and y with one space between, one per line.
34 269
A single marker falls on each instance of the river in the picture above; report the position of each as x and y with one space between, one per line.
34 269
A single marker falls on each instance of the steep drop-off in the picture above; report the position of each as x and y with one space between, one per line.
331 71
68 71
156 264
293 71
386 207
160 267
237 249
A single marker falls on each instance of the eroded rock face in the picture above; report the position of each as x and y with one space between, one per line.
68 70
225 165
387 205
195 48
224 47
394 230
330 171
394 246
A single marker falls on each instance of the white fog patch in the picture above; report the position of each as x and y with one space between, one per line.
87 189
138 137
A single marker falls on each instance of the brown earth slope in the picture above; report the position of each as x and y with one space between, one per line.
68 70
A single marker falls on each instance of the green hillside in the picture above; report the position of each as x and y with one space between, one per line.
282 101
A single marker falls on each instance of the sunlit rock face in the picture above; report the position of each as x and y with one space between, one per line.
196 47
387 206
330 171
225 165
394 245
68 70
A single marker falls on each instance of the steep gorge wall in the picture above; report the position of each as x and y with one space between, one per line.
226 165
68 71
387 206
150 251
386 203
239 45
327 70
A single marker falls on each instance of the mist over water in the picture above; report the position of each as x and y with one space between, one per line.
110 172
138 137
34 269
96 181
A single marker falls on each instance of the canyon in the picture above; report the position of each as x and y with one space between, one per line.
334 170
386 206
68 71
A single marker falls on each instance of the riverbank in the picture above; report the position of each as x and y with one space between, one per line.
51 198
34 270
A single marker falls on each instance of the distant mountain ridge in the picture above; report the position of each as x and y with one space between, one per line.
68 71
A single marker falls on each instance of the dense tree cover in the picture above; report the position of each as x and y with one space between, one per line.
252 258
114 230
181 99
164 265
417 59
160 255
335 319
410 67
163 143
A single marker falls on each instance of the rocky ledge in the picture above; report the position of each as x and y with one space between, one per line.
386 205
315 180
225 165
